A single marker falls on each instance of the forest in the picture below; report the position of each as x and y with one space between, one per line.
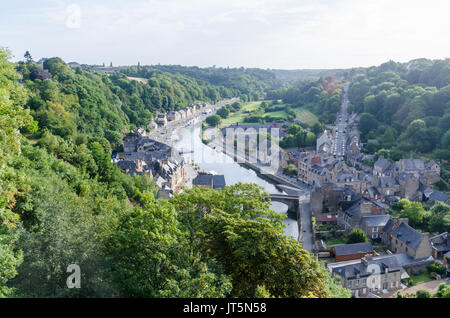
63 202
405 110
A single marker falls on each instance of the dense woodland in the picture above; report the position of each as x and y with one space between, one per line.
247 83
405 110
63 202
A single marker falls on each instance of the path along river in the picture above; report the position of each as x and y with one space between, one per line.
188 139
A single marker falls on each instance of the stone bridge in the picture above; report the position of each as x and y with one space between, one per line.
292 201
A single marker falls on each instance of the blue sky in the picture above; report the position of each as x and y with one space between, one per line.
285 34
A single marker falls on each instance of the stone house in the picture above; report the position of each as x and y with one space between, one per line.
173 116
440 245
380 166
408 186
323 144
318 175
387 186
351 213
435 197
209 181
369 274
399 237
373 225
161 119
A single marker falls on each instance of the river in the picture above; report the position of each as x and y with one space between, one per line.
188 139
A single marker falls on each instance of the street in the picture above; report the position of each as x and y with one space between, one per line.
306 235
340 131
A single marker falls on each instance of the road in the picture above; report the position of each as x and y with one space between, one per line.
306 234
340 130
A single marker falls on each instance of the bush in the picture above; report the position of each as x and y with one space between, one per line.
436 268
356 236
213 120
423 294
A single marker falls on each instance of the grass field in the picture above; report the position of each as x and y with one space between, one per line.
422 278
305 116
334 241
254 107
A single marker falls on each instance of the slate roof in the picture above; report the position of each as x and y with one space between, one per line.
349 249
389 225
394 262
387 182
218 181
381 164
413 164
203 179
407 235
324 217
376 220
350 270
354 210
439 196
373 192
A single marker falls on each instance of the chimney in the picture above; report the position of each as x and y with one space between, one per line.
403 220
365 260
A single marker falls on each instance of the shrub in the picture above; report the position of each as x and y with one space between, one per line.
436 268
423 294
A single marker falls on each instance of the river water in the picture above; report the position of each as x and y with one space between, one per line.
188 139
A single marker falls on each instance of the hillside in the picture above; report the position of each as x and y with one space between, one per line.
405 107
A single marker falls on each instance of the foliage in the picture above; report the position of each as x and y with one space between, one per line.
423 294
414 211
213 120
356 236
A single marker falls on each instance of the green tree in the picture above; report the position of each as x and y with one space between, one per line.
236 227
423 294
356 236
213 120
223 112
414 211
12 118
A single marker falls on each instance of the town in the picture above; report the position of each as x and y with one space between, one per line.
339 194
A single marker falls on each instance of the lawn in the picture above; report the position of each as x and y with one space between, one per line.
254 108
421 278
305 116
335 241
238 117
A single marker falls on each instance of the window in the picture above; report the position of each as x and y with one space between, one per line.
375 229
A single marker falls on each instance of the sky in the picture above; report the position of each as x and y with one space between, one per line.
283 34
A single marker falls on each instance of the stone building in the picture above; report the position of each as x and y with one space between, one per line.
369 274
399 237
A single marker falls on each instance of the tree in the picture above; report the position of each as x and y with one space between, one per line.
439 218
237 228
213 120
423 294
223 112
367 123
28 57
356 236
55 66
12 118
414 211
